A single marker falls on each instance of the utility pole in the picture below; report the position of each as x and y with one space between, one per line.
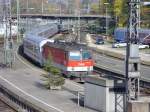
106 14
77 13
132 52
86 6
27 11
42 7
8 41
60 11
18 21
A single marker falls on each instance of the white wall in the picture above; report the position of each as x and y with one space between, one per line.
99 98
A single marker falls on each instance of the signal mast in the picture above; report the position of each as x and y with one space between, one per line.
132 52
8 41
77 13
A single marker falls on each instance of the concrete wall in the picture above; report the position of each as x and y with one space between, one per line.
111 102
138 107
95 97
98 96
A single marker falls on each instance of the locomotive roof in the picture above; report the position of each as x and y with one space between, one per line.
68 46
34 38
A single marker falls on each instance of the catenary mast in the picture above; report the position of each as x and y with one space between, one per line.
8 41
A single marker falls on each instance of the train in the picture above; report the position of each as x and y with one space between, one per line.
120 35
73 59
32 47
35 39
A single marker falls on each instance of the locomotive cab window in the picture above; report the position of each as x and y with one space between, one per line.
74 55
86 55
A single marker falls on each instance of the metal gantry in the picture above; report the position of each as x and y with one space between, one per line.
119 102
18 21
132 52
8 41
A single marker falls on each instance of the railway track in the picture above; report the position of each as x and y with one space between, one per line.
101 71
5 108
144 84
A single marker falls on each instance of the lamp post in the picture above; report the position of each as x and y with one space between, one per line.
106 14
27 13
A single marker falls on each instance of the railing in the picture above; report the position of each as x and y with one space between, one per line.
60 16
16 102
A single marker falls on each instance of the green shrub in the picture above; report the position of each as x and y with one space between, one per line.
53 76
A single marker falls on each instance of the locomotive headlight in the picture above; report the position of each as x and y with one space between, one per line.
72 68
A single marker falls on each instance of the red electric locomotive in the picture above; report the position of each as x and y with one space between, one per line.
71 58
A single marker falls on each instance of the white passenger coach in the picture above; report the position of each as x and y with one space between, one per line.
34 41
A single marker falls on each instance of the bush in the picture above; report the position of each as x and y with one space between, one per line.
53 78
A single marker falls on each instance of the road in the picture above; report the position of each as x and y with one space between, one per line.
117 65
114 64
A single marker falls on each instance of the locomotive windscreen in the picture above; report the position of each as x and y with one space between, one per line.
86 55
77 55
74 55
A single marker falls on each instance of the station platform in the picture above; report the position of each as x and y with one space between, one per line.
26 82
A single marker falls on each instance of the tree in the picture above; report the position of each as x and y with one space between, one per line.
95 8
118 6
145 15
52 78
